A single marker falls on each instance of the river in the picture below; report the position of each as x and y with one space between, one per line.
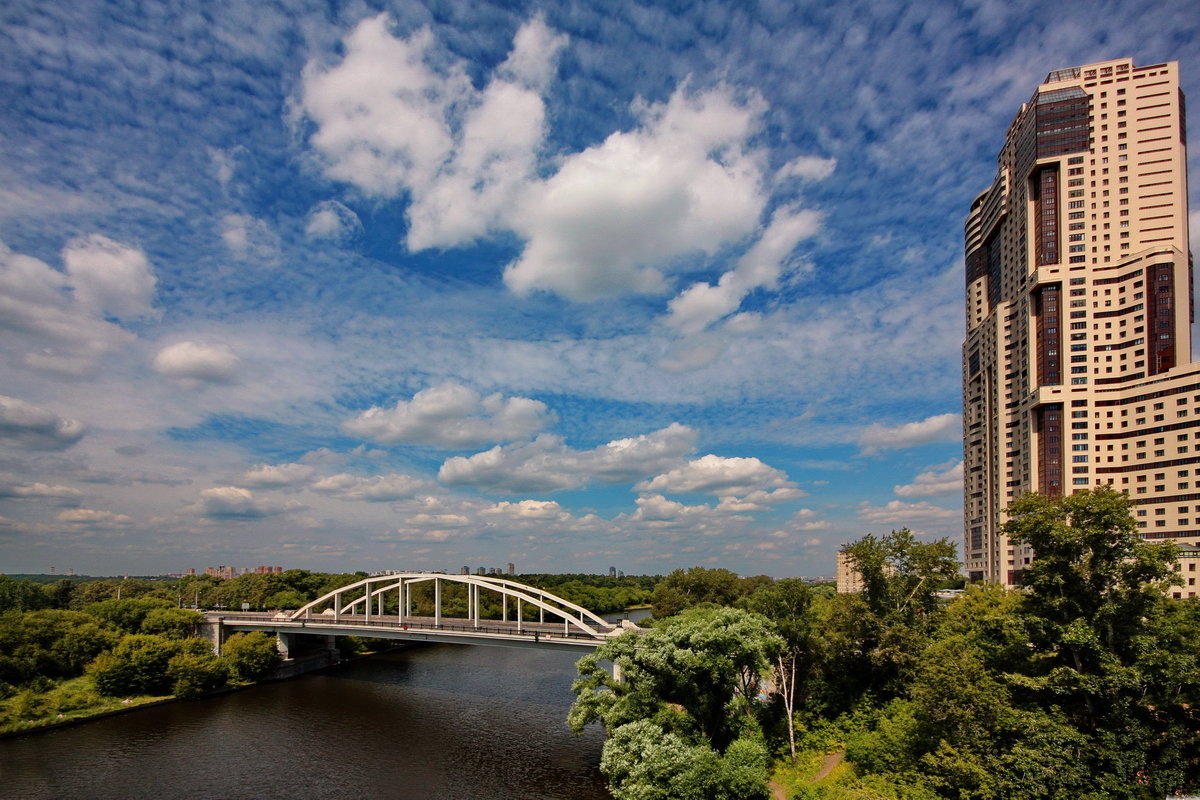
443 721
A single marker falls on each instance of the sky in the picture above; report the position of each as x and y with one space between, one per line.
572 285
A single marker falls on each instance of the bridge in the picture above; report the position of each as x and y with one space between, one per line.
381 607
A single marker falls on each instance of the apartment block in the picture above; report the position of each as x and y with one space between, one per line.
1077 364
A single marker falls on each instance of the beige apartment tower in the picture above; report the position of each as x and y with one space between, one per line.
1077 366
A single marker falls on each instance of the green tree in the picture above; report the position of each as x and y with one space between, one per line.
251 656
194 674
1103 641
787 604
641 762
126 614
177 623
683 589
139 664
18 595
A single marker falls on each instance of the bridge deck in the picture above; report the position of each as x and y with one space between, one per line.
451 630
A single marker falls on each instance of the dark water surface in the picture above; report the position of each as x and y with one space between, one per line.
445 721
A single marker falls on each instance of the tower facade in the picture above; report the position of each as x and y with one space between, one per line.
1077 364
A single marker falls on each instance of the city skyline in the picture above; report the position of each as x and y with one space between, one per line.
415 284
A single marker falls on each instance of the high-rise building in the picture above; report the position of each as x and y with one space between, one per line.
1077 365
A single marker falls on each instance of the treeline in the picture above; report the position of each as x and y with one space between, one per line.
287 590
1085 683
58 662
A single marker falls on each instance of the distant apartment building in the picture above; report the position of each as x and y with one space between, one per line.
1077 365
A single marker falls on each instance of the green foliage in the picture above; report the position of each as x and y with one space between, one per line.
49 644
681 721
126 614
18 595
641 762
194 674
683 589
139 664
177 623
251 656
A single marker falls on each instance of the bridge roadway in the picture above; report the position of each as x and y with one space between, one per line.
447 630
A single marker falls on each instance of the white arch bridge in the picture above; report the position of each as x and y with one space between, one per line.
381 606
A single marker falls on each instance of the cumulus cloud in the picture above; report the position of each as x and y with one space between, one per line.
55 322
617 215
760 267
234 502
548 464
759 500
109 278
897 512
195 363
938 480
939 428
374 489
393 116
94 518
330 219
713 474
452 416
526 510
656 508
277 476
36 428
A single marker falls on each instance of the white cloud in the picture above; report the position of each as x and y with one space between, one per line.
15 490
617 215
453 416
277 476
897 512
94 518
939 428
330 219
109 277
50 329
759 500
375 489
761 267
526 510
939 480
718 475
548 464
809 168
388 121
36 428
194 363
656 508
234 502
250 239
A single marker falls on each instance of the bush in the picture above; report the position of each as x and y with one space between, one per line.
194 674
251 656
139 664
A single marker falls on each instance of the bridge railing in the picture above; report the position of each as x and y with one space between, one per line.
537 634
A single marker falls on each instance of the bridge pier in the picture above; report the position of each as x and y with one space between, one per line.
285 643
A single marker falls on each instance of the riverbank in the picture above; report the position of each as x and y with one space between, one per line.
75 702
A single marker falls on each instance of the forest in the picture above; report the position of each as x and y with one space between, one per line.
1082 683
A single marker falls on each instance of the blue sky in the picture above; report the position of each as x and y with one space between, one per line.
417 285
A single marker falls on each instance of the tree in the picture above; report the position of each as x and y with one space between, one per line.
195 674
1104 646
251 656
787 603
681 719
901 575
139 664
683 589
126 614
177 623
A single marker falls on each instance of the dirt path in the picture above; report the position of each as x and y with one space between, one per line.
777 791
831 761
